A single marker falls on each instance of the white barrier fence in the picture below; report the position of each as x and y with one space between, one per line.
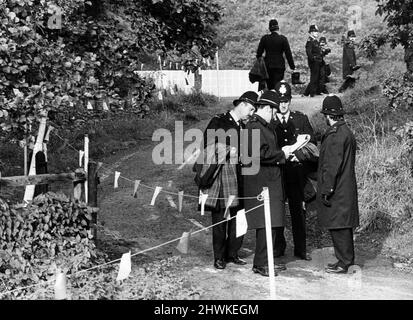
222 83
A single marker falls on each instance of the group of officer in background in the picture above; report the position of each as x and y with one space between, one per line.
283 170
276 46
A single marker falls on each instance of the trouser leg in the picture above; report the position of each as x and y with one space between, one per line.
314 79
219 234
260 257
233 244
275 75
280 243
343 246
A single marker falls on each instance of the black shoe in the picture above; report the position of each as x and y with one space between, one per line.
337 269
263 271
304 256
219 264
236 260
332 265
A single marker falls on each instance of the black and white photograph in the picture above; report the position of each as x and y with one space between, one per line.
206 156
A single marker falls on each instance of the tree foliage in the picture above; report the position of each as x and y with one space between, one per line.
93 57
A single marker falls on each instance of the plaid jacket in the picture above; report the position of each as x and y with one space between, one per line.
226 180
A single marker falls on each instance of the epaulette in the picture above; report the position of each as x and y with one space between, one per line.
297 112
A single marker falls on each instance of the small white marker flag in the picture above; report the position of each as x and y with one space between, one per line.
227 212
81 154
203 200
160 95
135 188
105 106
125 266
241 223
155 194
89 106
180 200
115 183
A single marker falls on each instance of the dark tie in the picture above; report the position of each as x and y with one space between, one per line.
283 121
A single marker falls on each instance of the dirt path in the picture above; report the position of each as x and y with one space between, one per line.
137 225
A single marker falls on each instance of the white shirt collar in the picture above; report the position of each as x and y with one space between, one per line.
234 116
286 116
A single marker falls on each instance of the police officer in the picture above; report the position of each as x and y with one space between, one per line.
288 124
314 57
349 61
270 158
225 243
336 184
325 50
275 46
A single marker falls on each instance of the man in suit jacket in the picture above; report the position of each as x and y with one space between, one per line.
275 46
314 57
225 243
288 124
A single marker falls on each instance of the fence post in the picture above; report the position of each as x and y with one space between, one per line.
86 164
92 182
268 231
29 192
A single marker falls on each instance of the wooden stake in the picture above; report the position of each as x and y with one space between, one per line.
86 165
268 232
93 181
29 192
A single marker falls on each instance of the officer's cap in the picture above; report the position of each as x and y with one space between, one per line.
313 28
273 25
283 90
351 33
332 106
270 98
249 96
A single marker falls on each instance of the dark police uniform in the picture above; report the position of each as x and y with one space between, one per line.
314 57
225 246
275 46
349 61
294 180
337 186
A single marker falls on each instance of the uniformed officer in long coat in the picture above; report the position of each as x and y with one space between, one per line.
288 125
270 158
314 57
225 243
275 47
336 184
349 61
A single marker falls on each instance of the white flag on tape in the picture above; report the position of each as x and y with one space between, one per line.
117 175
180 200
202 200
89 106
60 286
227 212
155 194
81 154
125 266
241 223
105 106
135 188
160 95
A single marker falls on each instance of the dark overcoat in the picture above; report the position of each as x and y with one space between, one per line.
269 175
336 178
349 59
313 50
225 122
275 46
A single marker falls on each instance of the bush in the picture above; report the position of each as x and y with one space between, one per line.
51 231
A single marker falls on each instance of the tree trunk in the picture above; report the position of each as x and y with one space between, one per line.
408 58
197 81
